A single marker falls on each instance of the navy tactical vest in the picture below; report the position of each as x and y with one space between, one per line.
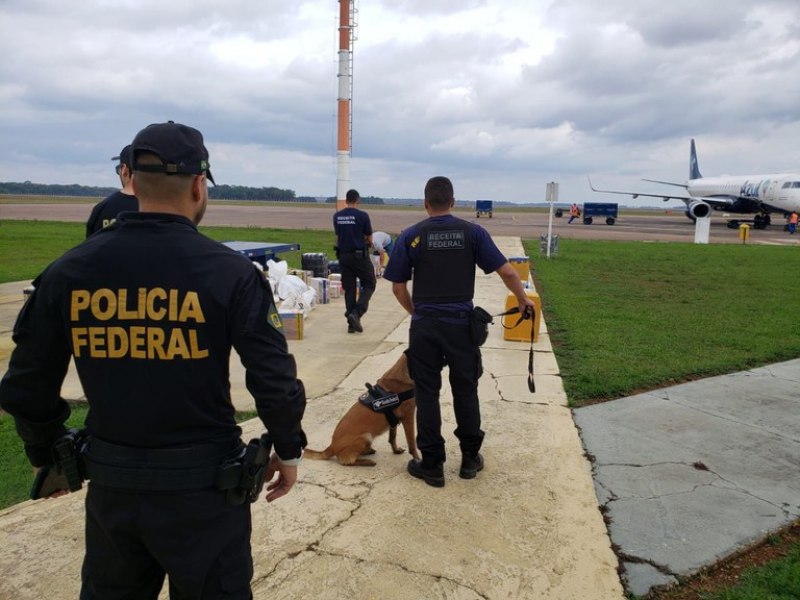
445 268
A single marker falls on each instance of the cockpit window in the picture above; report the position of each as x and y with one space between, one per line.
790 184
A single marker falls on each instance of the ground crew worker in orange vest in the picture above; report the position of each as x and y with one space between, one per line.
793 222
574 213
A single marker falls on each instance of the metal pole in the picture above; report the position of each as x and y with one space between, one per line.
343 105
552 198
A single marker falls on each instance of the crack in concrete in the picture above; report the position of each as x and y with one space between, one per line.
496 379
663 569
314 547
732 485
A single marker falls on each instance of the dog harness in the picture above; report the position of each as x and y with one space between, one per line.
379 400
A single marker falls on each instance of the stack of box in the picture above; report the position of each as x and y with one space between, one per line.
302 274
335 285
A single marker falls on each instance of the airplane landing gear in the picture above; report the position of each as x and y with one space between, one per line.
759 222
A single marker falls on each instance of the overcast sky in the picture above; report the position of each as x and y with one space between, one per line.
502 96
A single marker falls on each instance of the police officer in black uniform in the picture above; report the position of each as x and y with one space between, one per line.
353 240
105 212
440 255
149 309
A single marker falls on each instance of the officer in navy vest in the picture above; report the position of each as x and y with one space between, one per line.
353 242
440 255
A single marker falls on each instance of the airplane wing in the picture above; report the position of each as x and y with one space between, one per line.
664 197
717 202
680 185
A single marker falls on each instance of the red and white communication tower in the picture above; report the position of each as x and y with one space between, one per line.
347 27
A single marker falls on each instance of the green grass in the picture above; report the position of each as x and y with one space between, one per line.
630 316
16 473
778 580
27 247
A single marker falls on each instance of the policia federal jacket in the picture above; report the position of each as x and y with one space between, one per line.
149 308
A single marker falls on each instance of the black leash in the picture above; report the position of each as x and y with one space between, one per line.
527 314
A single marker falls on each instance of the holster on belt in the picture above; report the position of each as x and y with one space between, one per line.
226 466
66 473
243 478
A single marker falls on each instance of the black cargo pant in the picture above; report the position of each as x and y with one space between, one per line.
196 538
432 345
357 265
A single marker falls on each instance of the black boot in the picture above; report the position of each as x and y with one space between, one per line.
355 321
432 475
470 465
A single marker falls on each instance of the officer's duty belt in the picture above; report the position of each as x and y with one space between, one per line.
164 469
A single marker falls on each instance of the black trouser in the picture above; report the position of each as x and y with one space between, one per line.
134 538
359 265
432 344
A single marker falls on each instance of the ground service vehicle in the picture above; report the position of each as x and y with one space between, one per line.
600 209
483 207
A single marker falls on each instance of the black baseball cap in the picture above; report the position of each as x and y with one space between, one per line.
179 147
124 157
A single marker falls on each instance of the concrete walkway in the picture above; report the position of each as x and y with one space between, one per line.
695 472
527 527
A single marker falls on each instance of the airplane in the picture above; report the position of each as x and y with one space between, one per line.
748 194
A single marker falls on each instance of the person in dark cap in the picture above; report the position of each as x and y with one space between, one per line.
105 212
149 309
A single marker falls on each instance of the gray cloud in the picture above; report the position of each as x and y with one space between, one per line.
502 97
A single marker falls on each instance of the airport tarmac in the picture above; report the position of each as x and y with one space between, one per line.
636 226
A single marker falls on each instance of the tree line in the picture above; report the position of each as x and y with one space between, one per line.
219 192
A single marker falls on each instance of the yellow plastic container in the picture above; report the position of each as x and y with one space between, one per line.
522 332
522 266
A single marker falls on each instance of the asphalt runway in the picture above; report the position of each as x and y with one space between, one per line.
525 224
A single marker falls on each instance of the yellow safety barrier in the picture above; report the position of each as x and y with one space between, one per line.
521 332
522 266
744 232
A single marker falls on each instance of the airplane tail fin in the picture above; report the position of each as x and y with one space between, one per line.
694 169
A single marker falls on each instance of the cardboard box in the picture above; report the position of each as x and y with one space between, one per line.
292 324
302 274
335 289
321 286
522 332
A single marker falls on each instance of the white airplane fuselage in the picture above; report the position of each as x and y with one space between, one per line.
777 192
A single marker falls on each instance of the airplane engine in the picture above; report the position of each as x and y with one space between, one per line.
698 209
